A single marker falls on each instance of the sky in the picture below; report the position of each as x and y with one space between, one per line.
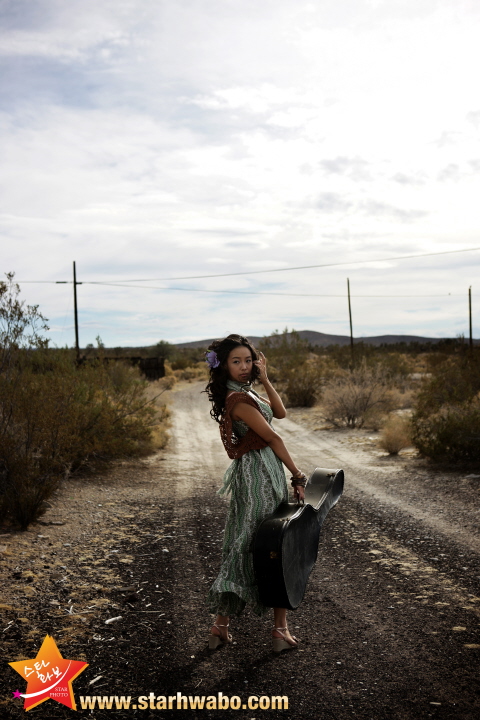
161 143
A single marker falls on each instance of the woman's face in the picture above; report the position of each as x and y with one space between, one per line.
240 364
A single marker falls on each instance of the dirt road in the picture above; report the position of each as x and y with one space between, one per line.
389 624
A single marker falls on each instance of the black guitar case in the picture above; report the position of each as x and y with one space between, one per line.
285 546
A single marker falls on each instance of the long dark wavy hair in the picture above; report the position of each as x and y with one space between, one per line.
217 385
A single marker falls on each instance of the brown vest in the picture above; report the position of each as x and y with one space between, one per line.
236 446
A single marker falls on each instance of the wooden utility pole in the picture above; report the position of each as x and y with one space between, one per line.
75 311
470 317
351 326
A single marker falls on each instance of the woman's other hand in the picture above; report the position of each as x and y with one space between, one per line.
299 481
261 364
299 494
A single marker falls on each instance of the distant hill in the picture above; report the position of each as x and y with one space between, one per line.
324 339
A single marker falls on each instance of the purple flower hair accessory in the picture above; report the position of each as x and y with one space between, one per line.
212 360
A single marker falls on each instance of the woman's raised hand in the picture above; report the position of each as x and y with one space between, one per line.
261 364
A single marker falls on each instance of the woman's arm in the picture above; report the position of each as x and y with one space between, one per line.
256 422
276 403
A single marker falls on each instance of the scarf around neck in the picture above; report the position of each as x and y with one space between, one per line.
238 387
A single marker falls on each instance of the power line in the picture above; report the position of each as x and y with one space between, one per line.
301 267
280 294
243 292
256 272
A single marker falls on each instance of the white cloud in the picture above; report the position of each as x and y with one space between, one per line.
168 139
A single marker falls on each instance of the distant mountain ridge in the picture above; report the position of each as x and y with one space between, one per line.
324 339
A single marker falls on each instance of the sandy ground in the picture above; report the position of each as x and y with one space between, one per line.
389 626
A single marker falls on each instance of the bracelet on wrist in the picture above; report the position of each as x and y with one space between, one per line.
299 481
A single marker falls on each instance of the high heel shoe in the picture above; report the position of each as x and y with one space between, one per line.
215 640
282 643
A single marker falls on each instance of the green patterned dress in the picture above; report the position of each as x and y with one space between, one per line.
257 484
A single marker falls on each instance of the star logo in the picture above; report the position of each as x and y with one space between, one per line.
49 675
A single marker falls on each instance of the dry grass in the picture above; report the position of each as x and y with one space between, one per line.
158 393
192 373
196 371
396 434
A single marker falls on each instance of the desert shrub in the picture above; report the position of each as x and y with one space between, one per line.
192 372
357 397
111 411
168 381
452 382
406 398
303 385
56 417
168 370
57 421
452 434
396 434
181 363
446 421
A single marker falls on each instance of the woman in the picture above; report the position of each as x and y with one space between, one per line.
255 478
